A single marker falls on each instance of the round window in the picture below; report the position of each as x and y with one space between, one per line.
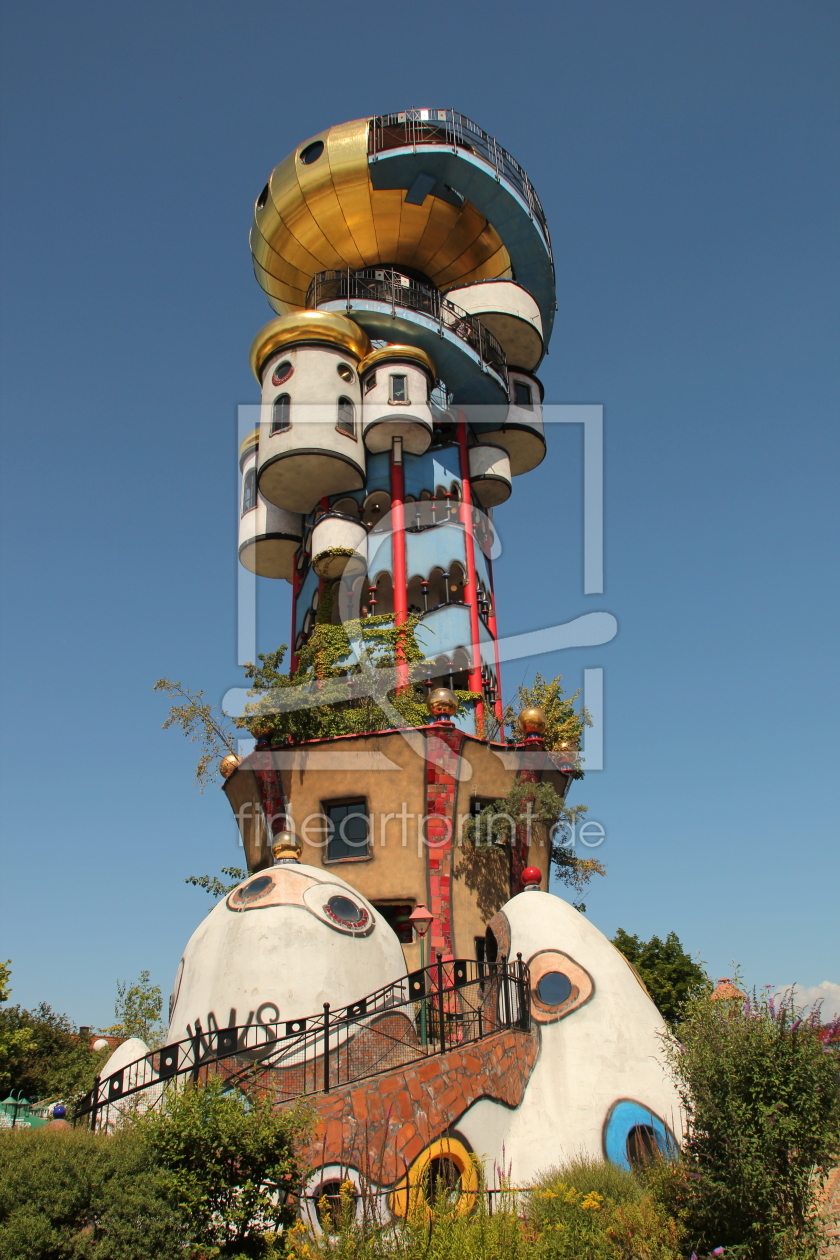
345 911
642 1145
312 152
255 889
554 988
282 372
330 1203
345 372
442 1182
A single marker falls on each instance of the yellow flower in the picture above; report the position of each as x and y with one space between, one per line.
592 1202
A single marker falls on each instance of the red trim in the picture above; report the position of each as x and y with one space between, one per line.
293 662
399 561
466 521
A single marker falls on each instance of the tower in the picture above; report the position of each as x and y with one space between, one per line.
409 262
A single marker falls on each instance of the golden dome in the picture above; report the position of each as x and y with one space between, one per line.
319 211
286 846
532 722
249 443
228 764
398 354
322 326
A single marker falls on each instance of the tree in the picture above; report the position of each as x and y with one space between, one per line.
232 1160
564 723
670 975
218 887
200 723
41 1053
138 1008
759 1085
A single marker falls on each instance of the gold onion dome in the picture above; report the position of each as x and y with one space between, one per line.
319 211
399 354
323 327
532 722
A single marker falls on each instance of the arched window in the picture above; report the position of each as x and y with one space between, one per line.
280 419
249 491
346 422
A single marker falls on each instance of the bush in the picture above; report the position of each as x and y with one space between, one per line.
759 1085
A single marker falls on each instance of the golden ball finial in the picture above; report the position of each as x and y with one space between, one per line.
286 847
442 702
532 722
228 764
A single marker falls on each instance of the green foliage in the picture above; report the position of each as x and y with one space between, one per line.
345 683
592 1210
564 723
41 1054
72 1195
217 887
197 1179
670 975
535 805
138 1008
201 724
759 1084
230 1159
588 1211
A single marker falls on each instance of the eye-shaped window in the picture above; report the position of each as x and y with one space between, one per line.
282 886
341 909
634 1135
559 985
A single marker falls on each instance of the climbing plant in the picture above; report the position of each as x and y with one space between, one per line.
564 723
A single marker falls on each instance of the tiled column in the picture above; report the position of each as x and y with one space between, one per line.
443 748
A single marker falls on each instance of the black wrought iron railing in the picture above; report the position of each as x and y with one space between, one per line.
381 284
430 1011
447 127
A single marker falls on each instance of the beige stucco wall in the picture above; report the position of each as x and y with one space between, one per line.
388 770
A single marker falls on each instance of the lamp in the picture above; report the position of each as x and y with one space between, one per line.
421 919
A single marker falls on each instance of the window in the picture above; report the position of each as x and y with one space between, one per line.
370 382
397 917
347 828
280 410
346 417
522 395
345 371
281 373
249 491
399 389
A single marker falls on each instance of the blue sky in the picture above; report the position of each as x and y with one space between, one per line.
686 158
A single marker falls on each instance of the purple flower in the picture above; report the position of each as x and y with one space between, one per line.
718 1251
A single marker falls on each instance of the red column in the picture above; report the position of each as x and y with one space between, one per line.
398 552
293 663
491 623
467 522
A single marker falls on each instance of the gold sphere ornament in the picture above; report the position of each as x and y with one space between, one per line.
442 702
532 722
286 847
228 764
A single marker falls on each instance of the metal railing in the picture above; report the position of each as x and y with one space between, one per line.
430 1011
449 128
381 284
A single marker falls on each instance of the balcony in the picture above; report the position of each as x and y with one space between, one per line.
387 303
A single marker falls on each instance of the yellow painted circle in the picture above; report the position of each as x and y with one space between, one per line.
410 1195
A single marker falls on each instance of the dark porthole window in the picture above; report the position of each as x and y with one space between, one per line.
346 422
348 831
399 389
554 988
642 1146
522 395
281 414
249 491
281 373
442 1182
255 889
329 1205
346 911
345 372
312 152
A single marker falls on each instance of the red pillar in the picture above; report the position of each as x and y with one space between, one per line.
398 552
293 663
492 626
467 522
